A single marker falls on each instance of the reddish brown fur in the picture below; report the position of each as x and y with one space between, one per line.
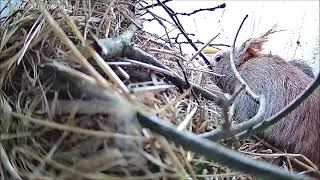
280 82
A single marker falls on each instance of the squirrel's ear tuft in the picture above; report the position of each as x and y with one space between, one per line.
255 47
252 47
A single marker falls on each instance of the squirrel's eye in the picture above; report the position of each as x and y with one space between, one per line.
218 58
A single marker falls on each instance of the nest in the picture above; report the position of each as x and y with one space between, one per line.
55 124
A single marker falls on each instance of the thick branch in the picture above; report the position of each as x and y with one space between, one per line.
214 151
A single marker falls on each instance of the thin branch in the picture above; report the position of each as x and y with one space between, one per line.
155 17
178 24
221 6
187 82
162 24
310 166
210 45
234 69
138 54
204 46
172 53
154 5
146 65
184 74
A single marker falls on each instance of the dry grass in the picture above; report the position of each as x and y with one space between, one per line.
52 130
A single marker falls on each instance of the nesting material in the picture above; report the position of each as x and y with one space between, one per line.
58 117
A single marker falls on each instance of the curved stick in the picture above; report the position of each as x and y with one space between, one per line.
285 111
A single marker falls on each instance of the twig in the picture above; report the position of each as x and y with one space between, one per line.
273 155
4 7
107 69
154 5
224 175
162 24
184 73
173 53
187 82
87 14
221 6
152 88
176 162
204 46
310 166
36 26
155 17
7 164
122 72
234 69
15 135
105 16
227 124
145 65
218 133
115 63
187 120
210 45
154 160
179 98
178 24
138 54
